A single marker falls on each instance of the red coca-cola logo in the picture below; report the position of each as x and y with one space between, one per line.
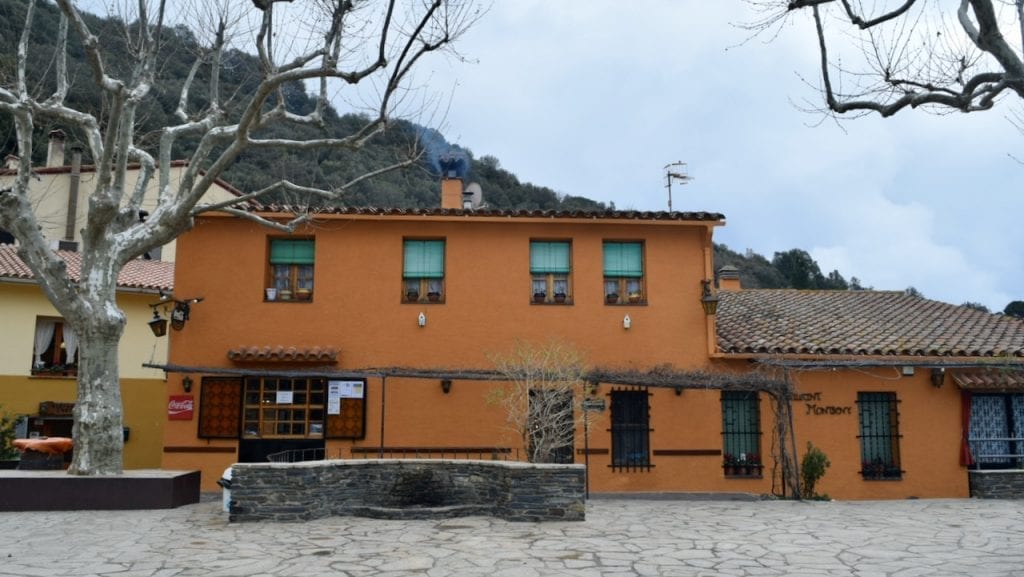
180 407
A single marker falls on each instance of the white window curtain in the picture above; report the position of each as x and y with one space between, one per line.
44 336
70 342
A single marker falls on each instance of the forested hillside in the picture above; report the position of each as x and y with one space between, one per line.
413 186
416 186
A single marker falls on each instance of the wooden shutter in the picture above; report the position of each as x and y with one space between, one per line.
220 408
351 423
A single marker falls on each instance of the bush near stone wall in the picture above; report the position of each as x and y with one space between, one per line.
406 489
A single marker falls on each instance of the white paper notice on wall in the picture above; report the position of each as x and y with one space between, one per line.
284 397
333 406
345 389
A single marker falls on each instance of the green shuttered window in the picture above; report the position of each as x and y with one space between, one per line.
423 271
624 272
549 257
423 259
550 267
623 259
291 269
291 251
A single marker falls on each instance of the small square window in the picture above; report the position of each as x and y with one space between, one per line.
624 273
550 271
423 271
291 270
55 348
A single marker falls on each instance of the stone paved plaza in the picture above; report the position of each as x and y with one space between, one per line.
619 538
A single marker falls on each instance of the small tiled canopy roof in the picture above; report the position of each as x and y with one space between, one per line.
989 380
151 275
806 322
280 354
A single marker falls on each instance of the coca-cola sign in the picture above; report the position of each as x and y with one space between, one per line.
180 407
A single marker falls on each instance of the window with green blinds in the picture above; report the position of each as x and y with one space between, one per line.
623 259
423 259
290 251
549 257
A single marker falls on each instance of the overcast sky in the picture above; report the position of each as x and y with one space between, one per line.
594 98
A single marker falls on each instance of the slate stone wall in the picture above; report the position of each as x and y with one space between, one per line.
406 489
997 484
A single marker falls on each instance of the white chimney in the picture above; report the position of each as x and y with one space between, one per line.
55 152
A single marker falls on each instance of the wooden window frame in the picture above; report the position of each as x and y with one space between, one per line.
625 290
543 285
55 361
292 277
425 290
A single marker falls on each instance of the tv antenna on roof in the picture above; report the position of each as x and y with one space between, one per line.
676 170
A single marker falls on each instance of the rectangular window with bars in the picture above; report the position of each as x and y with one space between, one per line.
741 434
631 430
879 436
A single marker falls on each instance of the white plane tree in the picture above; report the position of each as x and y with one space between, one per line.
353 42
885 56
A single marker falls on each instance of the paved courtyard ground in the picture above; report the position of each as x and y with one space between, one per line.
619 538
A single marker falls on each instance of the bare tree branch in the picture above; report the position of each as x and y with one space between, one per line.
385 53
905 64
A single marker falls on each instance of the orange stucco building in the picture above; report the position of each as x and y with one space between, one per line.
333 338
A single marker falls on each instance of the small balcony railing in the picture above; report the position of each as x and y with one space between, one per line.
997 452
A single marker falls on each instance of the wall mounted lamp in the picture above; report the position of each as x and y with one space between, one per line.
421 320
708 300
179 314
679 390
938 377
626 322
446 386
186 384
158 324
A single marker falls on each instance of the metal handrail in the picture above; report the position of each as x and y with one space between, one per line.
988 457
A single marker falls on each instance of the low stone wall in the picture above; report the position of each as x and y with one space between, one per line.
406 489
997 484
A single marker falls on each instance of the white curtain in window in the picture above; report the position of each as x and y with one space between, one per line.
44 335
70 342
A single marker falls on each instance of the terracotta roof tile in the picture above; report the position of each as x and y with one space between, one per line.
137 274
281 354
989 380
492 212
786 321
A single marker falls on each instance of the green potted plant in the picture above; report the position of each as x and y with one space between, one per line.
9 456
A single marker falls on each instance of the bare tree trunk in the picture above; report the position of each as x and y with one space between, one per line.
786 438
99 440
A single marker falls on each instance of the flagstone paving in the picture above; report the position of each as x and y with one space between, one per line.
620 537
